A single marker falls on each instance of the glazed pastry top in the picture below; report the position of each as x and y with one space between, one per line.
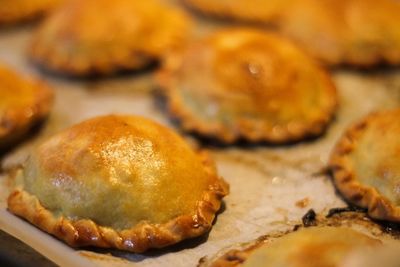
312 247
376 155
239 81
117 171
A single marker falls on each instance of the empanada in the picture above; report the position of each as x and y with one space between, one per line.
351 32
360 33
366 165
248 84
24 103
121 182
102 37
307 247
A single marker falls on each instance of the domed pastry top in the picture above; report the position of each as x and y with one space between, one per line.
119 181
354 32
23 103
248 84
366 165
307 247
102 36
312 247
12 11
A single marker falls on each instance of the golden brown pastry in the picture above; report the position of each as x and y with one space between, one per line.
12 11
246 10
352 32
366 165
23 104
308 247
122 182
248 84
355 32
102 36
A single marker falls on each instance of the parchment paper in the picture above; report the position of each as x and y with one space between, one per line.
271 186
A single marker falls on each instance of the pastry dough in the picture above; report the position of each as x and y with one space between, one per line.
119 181
17 10
308 247
355 32
23 104
102 36
365 165
352 32
246 10
248 84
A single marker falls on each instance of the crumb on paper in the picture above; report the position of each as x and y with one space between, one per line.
302 203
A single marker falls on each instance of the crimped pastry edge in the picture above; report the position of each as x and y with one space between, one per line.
245 129
237 254
378 206
136 60
232 14
34 11
141 237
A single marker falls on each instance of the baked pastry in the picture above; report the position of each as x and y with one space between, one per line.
12 11
121 182
311 247
250 10
23 104
248 84
365 165
338 32
102 36
354 32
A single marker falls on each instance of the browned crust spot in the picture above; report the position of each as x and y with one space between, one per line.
14 123
345 179
141 237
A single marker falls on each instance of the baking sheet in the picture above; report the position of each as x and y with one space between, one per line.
271 186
